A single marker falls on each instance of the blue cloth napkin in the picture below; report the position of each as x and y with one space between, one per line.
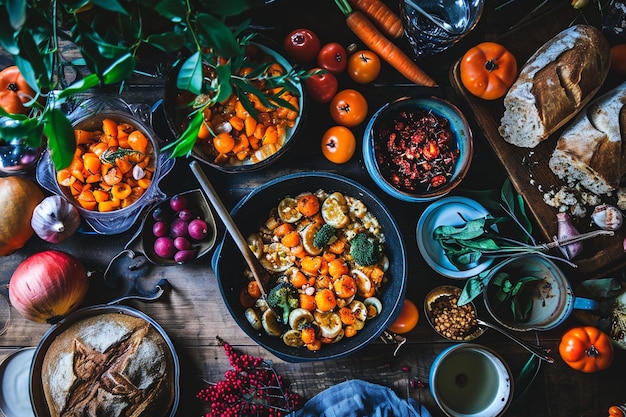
357 398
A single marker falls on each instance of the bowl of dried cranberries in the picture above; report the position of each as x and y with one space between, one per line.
418 149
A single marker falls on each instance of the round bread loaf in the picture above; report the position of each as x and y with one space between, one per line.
109 365
556 82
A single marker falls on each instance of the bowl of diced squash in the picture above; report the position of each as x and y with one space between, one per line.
251 128
116 167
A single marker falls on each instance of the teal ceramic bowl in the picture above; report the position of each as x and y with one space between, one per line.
422 165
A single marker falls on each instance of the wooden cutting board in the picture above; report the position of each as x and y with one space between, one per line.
528 168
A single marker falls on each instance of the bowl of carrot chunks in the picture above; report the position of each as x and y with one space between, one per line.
253 126
116 167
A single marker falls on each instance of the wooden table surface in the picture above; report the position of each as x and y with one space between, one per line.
193 312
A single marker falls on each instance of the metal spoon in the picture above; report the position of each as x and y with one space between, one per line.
261 276
532 348
449 290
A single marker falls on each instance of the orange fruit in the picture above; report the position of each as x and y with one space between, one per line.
338 144
407 320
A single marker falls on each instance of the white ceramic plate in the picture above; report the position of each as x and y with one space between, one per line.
14 376
449 211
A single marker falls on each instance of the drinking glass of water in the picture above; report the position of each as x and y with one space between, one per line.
432 26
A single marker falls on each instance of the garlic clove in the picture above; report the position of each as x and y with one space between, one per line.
566 230
607 217
138 172
55 219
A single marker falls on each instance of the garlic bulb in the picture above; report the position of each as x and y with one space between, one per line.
607 217
55 219
566 230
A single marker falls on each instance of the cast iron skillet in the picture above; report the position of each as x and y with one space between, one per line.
229 265
36 387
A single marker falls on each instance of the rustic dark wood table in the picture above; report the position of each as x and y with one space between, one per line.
193 312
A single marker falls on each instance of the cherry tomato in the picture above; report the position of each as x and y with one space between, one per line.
348 108
333 57
408 318
302 45
321 87
363 66
338 144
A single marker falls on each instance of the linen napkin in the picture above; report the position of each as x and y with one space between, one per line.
357 398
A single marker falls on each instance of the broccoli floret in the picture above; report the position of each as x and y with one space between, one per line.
363 250
285 297
323 236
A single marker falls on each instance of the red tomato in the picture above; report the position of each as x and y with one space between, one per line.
348 108
333 57
14 91
587 349
364 66
488 70
408 318
321 87
302 45
338 144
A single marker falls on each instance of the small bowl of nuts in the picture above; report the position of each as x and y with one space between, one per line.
451 321
418 149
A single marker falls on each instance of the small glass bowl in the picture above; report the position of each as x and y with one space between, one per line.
89 116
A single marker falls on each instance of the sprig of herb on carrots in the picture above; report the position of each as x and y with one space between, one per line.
363 27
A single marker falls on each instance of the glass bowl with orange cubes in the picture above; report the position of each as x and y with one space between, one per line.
116 167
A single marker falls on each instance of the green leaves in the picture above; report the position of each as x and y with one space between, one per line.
511 291
212 31
190 74
109 34
465 245
184 144
60 134
474 286
16 9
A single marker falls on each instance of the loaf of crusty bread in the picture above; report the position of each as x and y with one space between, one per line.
556 82
591 149
112 365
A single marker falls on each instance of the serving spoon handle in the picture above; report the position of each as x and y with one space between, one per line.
261 276
534 349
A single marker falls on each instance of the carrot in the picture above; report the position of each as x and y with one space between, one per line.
381 15
377 42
